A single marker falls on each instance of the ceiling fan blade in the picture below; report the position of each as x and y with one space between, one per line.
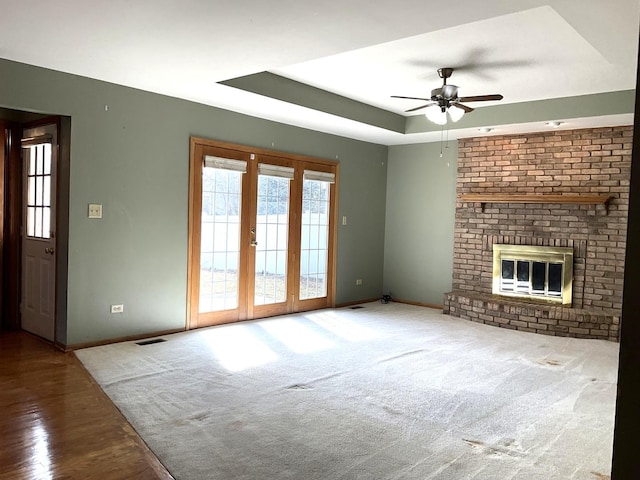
411 98
420 107
481 98
463 107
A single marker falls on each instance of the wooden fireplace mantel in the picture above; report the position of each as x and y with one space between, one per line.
574 199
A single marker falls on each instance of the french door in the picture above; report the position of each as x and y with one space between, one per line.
262 233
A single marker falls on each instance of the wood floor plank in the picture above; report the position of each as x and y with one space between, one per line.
56 422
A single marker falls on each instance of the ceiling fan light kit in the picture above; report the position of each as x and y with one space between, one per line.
455 112
445 102
436 114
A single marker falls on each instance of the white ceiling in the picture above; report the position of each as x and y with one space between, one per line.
367 51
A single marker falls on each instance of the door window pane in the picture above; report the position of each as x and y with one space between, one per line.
220 239
31 221
47 159
272 227
314 239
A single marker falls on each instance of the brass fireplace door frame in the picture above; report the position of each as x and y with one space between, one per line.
562 255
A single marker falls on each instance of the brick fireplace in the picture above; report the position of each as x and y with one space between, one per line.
553 189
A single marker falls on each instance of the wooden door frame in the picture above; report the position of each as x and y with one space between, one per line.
196 144
198 150
11 223
3 161
287 306
317 303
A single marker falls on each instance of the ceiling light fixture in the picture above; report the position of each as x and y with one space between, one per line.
438 113
554 124
455 112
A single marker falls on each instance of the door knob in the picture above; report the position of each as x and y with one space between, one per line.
254 243
49 250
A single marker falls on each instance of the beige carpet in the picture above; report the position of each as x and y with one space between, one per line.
383 392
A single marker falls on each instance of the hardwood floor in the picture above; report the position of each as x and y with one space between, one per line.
56 423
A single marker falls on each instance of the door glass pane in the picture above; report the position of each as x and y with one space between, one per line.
31 221
39 192
38 222
39 151
47 159
272 237
31 190
314 239
46 195
220 239
46 219
31 171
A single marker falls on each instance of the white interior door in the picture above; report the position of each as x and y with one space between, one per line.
38 235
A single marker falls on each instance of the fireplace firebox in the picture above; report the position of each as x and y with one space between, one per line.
533 272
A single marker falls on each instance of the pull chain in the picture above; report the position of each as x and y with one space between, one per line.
442 140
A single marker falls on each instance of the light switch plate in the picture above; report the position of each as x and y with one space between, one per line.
95 210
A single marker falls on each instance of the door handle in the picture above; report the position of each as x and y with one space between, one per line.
254 243
50 251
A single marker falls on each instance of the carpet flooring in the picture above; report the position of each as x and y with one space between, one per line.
388 391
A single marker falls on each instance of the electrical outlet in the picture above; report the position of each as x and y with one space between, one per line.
358 282
95 210
117 308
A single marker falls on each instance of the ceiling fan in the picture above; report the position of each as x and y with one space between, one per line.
445 100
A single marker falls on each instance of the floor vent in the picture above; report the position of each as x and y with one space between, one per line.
151 342
356 307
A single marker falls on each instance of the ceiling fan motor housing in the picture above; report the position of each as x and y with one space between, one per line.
447 92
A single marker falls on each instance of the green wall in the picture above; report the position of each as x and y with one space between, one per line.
134 159
421 193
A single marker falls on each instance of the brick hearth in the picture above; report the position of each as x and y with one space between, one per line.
585 161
